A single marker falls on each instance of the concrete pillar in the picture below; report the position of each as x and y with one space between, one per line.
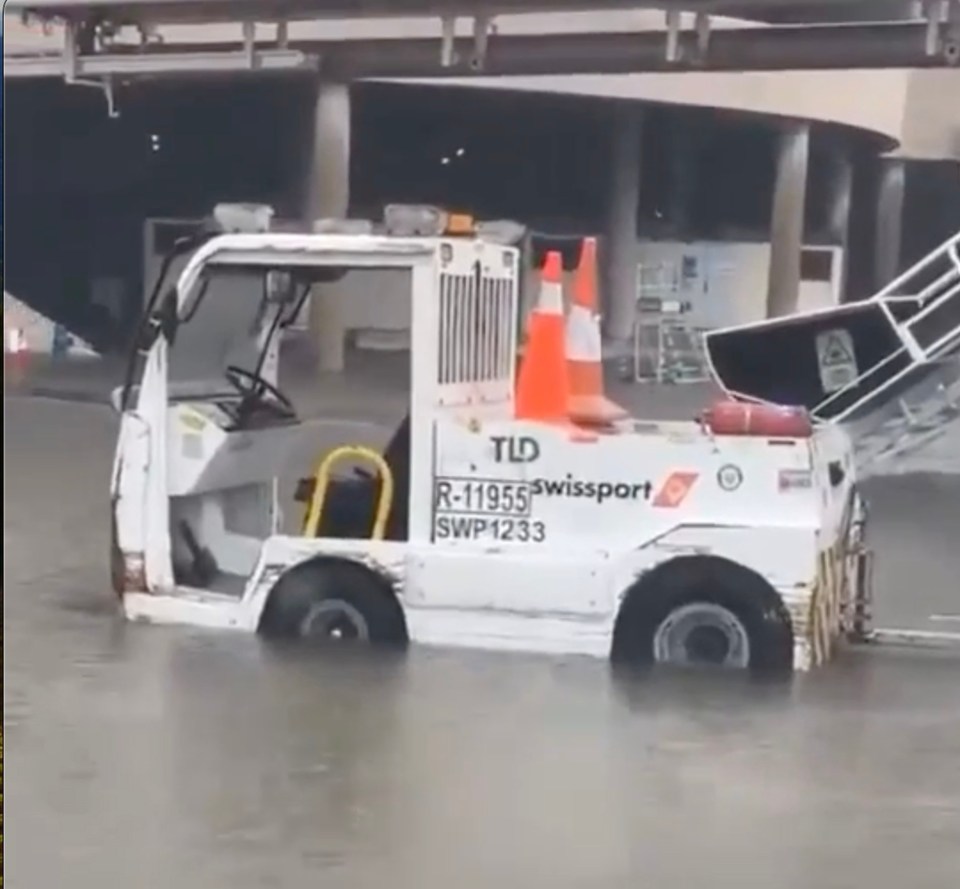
841 199
786 221
619 256
888 236
328 195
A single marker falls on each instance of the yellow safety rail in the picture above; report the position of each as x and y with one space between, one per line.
322 482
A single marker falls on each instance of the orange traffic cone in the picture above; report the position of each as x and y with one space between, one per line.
588 404
543 391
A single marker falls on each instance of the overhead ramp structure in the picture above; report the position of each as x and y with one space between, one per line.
886 368
126 39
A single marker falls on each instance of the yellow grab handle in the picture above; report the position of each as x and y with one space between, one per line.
322 483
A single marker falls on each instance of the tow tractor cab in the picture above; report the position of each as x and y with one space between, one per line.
732 540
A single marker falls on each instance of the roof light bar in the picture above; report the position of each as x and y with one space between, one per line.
332 226
246 218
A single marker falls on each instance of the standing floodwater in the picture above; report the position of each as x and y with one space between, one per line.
163 757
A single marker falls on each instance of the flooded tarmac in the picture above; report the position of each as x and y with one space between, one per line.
164 757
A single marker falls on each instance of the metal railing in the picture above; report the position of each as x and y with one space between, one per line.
311 524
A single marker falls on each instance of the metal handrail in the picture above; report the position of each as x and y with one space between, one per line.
948 249
930 298
931 307
322 483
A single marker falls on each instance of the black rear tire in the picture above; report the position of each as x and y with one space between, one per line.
670 590
334 600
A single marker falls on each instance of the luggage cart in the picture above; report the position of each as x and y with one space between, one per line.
666 348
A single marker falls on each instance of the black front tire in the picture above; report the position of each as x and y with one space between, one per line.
334 599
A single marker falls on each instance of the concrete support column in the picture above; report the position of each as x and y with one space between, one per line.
786 222
328 195
888 236
840 203
619 256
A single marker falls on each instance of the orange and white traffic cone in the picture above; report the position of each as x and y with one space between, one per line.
588 404
543 390
16 354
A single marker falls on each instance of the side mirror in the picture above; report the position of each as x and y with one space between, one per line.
162 320
167 316
279 287
116 397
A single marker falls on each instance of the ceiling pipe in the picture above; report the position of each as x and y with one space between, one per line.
766 49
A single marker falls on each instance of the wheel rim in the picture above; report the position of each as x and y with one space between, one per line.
334 621
702 634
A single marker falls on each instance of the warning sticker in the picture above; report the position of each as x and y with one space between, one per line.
193 420
675 489
794 480
836 358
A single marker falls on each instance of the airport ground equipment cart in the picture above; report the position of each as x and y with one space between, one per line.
732 540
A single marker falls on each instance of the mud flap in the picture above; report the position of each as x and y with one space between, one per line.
128 506
117 573
861 600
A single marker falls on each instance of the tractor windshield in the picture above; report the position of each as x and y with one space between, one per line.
229 321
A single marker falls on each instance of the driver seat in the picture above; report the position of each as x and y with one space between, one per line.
351 501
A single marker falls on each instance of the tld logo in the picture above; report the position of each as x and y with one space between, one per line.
515 449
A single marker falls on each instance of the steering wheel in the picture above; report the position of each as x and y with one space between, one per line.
254 390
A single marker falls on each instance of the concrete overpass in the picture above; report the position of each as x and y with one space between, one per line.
884 34
697 58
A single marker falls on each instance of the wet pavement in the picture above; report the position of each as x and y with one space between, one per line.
147 756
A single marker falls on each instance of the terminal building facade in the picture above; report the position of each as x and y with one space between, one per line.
752 193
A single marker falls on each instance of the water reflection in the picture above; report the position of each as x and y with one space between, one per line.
152 757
